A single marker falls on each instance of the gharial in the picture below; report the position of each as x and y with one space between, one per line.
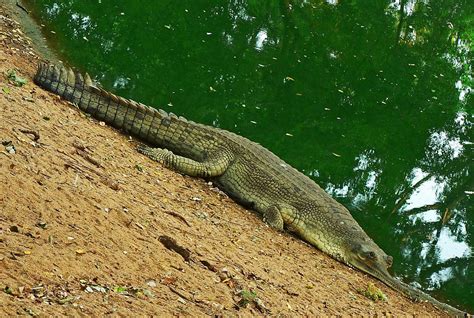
245 170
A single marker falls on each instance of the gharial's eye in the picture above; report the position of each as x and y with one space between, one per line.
371 255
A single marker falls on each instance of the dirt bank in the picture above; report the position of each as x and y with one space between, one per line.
90 227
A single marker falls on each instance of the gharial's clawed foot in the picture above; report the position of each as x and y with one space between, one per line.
156 154
272 216
143 149
186 165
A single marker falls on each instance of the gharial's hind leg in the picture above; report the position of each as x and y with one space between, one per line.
213 167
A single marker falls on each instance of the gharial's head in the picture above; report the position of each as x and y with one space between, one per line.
339 235
364 254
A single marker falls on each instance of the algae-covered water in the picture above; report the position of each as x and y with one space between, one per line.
371 99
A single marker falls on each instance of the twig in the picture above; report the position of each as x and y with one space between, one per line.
84 155
72 163
198 302
209 266
35 134
180 294
78 169
75 180
82 150
177 215
79 146
18 4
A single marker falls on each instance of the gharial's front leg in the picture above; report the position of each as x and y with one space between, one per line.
276 214
215 166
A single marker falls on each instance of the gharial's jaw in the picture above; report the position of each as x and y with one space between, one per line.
362 253
380 272
365 255
374 269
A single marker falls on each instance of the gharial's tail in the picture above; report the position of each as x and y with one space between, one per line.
130 116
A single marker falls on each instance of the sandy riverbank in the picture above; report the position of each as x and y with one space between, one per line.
87 226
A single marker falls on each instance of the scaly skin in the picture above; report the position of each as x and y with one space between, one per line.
245 170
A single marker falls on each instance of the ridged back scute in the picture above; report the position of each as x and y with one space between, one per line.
132 117
151 125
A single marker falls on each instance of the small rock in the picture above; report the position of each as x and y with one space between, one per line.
10 149
100 289
8 290
201 215
151 283
217 306
148 293
42 225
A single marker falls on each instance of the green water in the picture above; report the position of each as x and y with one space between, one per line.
372 99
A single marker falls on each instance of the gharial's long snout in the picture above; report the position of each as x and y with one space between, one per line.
418 295
373 260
